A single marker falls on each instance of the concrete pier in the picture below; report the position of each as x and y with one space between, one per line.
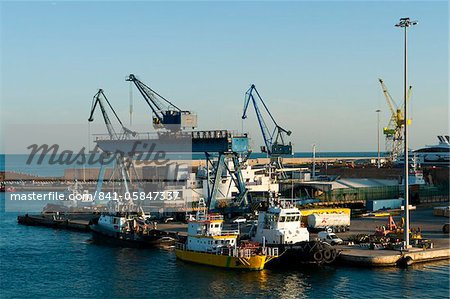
353 255
76 222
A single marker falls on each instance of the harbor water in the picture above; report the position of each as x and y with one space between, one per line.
43 262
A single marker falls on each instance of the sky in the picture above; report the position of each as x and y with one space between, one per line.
316 64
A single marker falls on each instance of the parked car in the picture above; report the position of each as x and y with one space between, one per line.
168 219
330 238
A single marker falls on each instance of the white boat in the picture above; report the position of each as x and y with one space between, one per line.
78 197
258 181
415 175
281 228
431 155
208 243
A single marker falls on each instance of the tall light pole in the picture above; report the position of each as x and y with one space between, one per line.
405 23
378 138
314 161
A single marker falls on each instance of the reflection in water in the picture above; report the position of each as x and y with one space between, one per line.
68 265
294 286
341 287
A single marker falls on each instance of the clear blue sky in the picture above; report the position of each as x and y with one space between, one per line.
315 63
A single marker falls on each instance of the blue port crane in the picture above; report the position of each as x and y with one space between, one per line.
123 166
166 115
275 145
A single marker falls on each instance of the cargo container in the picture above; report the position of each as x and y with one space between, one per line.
384 204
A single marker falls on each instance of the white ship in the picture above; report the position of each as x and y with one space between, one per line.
431 155
258 181
280 227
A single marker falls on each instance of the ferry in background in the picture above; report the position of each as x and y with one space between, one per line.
431 155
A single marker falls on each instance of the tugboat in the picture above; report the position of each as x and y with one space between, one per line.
130 230
281 228
208 243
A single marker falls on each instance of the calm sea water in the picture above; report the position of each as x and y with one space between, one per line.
41 262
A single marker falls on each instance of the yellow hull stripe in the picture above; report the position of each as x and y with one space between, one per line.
251 263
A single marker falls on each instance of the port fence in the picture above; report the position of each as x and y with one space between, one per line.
430 194
367 193
418 194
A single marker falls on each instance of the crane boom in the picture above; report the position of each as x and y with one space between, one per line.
98 100
165 113
408 97
394 130
387 95
123 165
274 141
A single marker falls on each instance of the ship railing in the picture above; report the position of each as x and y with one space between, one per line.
180 246
214 217
270 251
211 134
230 251
230 232
236 252
214 134
208 217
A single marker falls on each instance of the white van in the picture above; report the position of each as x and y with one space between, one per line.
330 237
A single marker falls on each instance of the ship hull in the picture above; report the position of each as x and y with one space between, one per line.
297 255
223 261
153 239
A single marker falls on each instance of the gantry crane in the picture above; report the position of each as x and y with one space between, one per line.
275 145
394 130
123 165
166 115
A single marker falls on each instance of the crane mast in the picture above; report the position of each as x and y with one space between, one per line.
97 100
123 165
394 130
